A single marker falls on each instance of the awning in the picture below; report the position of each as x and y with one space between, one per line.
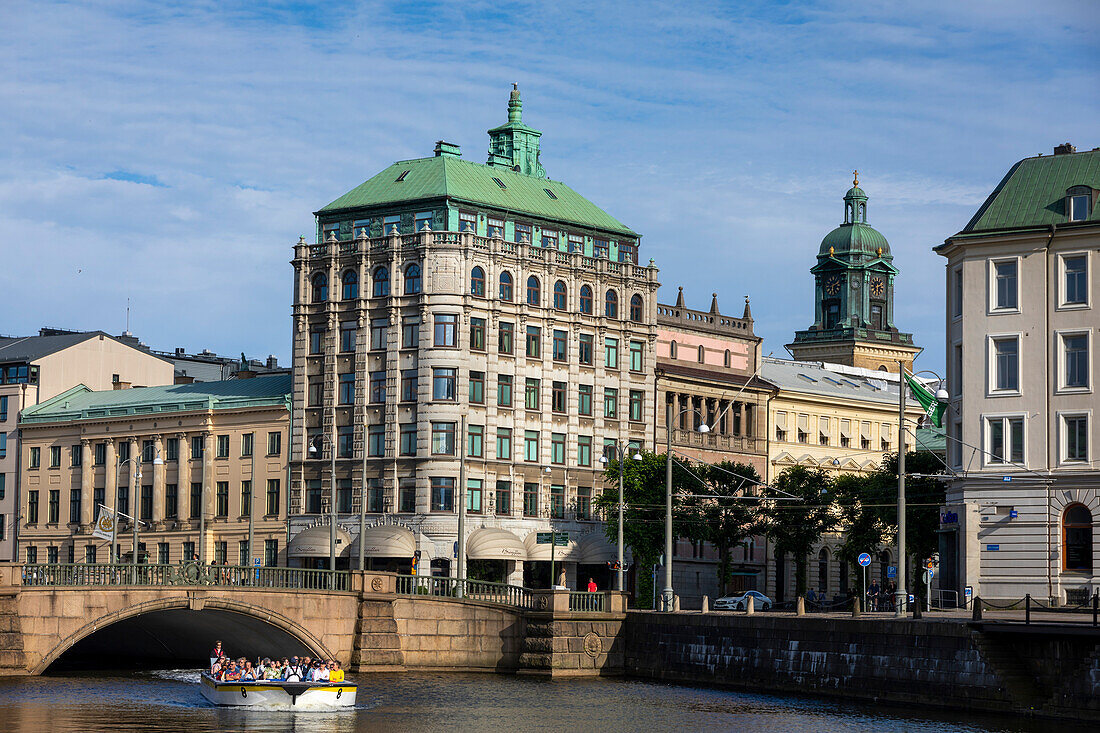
489 543
823 426
781 420
865 430
595 549
845 429
804 423
314 542
536 551
385 541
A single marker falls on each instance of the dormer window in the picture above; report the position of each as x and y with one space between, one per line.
1079 201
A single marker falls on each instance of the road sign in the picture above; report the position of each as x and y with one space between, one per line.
559 539
992 548
256 561
928 575
864 560
891 571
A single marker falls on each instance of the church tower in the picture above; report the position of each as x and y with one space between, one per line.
854 297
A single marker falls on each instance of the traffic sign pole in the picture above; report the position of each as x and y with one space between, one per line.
864 560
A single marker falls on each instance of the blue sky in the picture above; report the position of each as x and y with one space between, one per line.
171 153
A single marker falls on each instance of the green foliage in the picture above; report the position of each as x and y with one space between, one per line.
796 525
729 519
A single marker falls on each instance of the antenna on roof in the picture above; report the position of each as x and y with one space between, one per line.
127 315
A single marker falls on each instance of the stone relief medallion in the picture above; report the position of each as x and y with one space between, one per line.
592 645
376 585
542 603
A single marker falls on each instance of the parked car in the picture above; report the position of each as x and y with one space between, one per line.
760 602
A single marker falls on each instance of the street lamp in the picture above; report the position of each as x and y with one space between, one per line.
313 450
667 594
603 460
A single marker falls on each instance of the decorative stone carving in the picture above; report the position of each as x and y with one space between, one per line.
376 585
593 645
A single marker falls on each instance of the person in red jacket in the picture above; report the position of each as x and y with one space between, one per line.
591 585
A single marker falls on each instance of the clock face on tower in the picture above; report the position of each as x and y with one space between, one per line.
878 287
833 285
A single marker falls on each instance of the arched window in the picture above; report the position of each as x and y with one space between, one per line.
381 282
636 308
728 359
863 213
506 286
351 284
702 354
477 282
1077 538
611 304
672 350
534 291
559 295
586 299
320 287
412 279
823 571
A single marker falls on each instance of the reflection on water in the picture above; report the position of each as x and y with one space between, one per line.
169 700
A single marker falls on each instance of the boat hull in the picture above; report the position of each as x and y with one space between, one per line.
284 695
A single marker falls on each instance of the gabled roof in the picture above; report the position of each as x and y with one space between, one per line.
1032 194
82 403
446 176
809 377
30 348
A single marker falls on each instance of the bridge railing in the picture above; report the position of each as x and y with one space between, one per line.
474 590
183 574
586 602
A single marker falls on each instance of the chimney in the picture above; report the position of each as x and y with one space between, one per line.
272 362
444 149
1064 149
180 351
183 379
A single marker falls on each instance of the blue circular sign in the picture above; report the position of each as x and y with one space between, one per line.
864 559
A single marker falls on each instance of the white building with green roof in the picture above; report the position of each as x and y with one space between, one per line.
444 292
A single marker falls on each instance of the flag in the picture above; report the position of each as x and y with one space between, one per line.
933 408
105 524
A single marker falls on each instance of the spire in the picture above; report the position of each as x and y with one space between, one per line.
748 311
680 298
714 303
515 105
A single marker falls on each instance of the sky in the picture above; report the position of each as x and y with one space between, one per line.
168 155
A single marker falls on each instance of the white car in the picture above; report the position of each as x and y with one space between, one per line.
760 602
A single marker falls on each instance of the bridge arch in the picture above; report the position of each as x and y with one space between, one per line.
182 627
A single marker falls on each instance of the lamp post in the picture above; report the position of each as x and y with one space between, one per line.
667 595
603 459
137 477
313 450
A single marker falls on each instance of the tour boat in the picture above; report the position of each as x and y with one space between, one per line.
275 694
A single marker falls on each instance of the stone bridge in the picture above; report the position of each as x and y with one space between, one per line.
372 622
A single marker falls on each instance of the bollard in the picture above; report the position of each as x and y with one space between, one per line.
676 604
1027 608
977 613
800 607
750 606
855 607
1095 607
706 604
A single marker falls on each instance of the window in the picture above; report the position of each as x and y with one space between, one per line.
494 228
410 332
51 555
221 553
473 495
557 501
272 497
409 385
611 353
350 284
1005 291
523 233
446 329
1075 280
408 439
845 433
576 243
957 281
445 384
781 426
560 296
378 329
74 505
560 349
531 394
1006 364
320 288
504 444
347 389
196 500
32 554
549 239
823 571
586 300
506 338
247 442
1077 538
477 334
534 342
531 446
884 437
477 387
637 354
55 456
163 552
506 286
344 501
360 228
1075 360
1079 207
586 350
348 331
876 317
274 444
584 450
345 441
1005 440
636 308
557 448
378 387
316 340
477 282
672 350
246 498
443 494
1075 428
530 499
504 390
222 499
32 506
504 498
637 398
171 501
628 253
36 457
475 442
381 282
611 403
584 400
443 438
584 502
223 446
101 453
422 221
3 408
467 221
557 397
124 452
271 553
611 304
315 392
726 358
533 291
376 441
406 495
313 496
803 428
412 279
823 433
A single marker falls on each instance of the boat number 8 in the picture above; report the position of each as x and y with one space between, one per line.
244 692
339 692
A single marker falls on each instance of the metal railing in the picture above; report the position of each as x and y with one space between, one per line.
586 602
1029 605
184 574
474 590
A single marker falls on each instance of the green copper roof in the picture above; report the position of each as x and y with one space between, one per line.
82 403
855 192
1033 193
854 238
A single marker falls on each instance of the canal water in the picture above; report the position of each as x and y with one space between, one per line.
169 700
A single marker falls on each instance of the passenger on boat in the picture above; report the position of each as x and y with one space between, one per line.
318 672
335 674
232 673
294 671
272 671
216 653
248 674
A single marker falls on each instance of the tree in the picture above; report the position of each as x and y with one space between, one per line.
796 525
730 517
861 498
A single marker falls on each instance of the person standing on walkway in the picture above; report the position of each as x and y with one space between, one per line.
591 585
